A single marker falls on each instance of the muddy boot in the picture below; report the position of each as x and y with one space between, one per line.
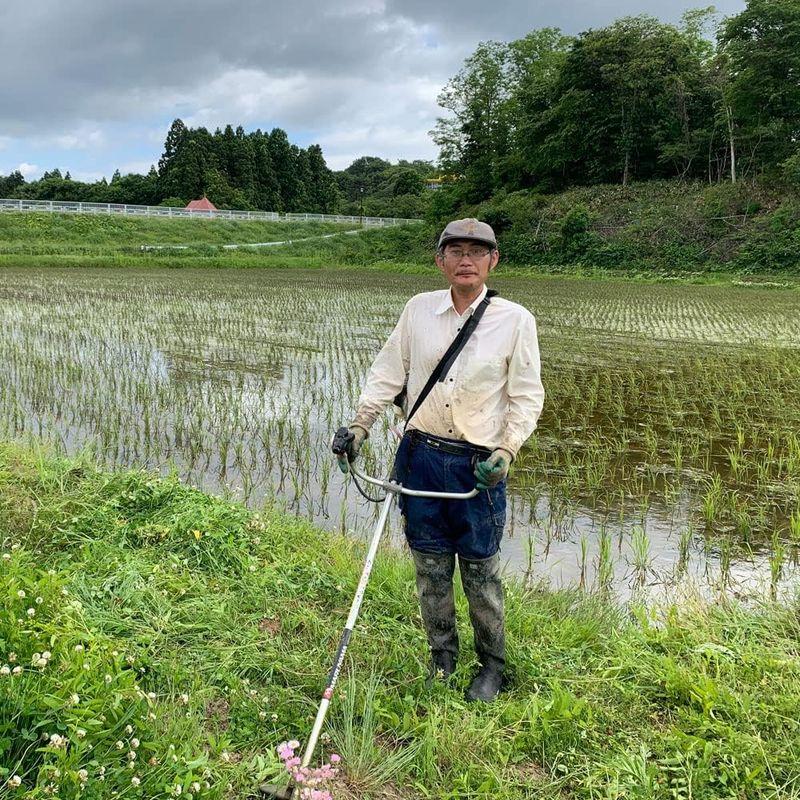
484 591
435 592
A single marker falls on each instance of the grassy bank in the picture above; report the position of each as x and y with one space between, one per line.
196 635
686 231
94 236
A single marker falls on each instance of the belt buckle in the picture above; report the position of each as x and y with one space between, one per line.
433 442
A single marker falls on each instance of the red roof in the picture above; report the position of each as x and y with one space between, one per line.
204 204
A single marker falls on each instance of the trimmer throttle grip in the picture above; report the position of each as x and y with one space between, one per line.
342 441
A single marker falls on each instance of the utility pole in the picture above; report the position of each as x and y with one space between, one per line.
361 216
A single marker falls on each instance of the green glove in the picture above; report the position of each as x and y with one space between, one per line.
490 472
359 435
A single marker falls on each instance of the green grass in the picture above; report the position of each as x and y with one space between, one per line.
208 629
82 235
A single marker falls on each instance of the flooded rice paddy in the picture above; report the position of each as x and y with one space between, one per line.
668 451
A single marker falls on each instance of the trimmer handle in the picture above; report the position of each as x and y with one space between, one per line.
342 440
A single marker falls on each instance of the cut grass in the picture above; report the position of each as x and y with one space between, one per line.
215 626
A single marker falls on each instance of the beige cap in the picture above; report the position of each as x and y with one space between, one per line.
469 228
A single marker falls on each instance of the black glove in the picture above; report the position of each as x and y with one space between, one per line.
347 445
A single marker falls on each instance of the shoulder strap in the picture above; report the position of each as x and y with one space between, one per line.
443 367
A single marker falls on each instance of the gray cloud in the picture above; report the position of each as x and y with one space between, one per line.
356 77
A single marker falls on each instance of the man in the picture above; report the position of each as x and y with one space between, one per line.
466 433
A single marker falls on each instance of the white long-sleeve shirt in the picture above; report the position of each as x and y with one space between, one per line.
493 394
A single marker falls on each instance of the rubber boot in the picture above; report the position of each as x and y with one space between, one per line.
484 590
438 608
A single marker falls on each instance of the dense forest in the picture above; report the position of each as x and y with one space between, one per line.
636 100
707 100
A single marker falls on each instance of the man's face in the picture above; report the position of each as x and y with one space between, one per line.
466 264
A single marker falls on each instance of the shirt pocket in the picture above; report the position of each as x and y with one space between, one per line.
483 376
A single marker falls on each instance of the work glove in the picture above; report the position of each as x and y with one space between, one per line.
490 472
353 447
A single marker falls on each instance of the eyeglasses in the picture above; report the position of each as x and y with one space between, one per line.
473 253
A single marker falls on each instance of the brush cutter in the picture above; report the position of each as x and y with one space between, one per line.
392 489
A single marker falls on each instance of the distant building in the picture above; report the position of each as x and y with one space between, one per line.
437 183
203 204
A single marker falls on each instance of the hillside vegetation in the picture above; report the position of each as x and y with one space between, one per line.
141 616
655 227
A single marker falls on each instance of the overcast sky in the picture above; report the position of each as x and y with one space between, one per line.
93 85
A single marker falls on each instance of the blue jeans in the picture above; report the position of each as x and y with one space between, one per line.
472 528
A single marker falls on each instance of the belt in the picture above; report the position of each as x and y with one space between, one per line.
456 447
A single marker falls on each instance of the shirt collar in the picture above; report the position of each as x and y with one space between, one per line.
447 301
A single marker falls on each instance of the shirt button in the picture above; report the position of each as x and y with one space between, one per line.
447 405
451 380
450 430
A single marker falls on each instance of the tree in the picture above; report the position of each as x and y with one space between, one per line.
176 138
474 139
761 49
10 184
323 194
625 96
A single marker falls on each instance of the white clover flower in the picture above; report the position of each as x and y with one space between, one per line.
185 698
47 655
21 593
6 556
274 717
51 572
39 601
76 698
12 657
14 782
262 714
5 670
64 592
151 695
102 770
134 743
83 775
80 733
56 740
108 679
41 663
17 670
131 755
78 648
177 789
196 786
120 744
129 729
86 667
135 781
31 612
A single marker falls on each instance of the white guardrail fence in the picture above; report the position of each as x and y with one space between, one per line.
74 207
